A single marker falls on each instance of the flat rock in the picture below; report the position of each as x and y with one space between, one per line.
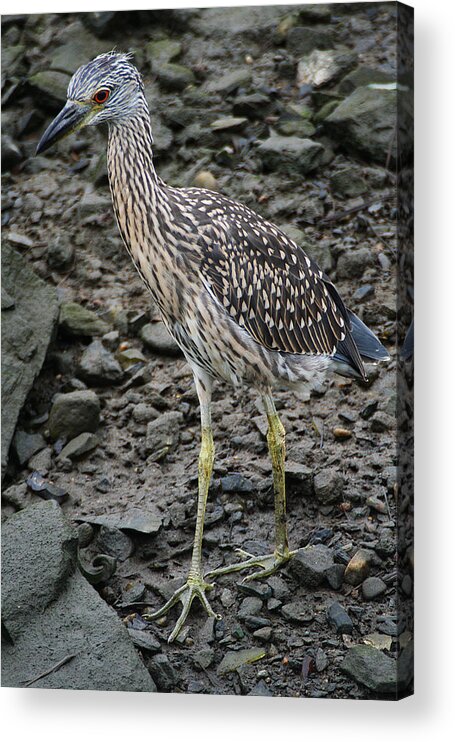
290 154
232 660
298 612
51 612
230 82
79 446
27 327
74 413
77 320
135 519
372 668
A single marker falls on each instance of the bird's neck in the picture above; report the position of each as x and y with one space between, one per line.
141 204
131 143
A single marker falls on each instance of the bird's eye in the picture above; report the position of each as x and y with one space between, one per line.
101 95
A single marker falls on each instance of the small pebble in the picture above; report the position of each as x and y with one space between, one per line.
339 619
373 587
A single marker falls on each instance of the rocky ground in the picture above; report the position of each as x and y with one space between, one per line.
271 106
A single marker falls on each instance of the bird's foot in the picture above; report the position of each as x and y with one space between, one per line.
269 564
194 587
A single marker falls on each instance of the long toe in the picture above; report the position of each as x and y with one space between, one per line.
268 564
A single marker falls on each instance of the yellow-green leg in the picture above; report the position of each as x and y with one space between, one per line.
195 585
269 563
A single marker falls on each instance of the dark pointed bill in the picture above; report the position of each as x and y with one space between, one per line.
70 118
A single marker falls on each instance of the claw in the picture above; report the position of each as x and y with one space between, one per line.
193 588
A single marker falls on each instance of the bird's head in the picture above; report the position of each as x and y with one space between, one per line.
106 89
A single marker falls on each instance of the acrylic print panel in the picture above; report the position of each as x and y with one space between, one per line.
289 279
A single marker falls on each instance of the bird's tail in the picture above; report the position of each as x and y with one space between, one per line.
368 345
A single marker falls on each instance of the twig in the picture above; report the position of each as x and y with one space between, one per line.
353 209
52 669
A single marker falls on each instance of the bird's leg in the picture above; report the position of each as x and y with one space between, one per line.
270 562
195 585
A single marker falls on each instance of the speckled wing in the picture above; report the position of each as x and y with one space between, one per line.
269 286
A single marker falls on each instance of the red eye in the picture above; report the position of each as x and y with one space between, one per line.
101 95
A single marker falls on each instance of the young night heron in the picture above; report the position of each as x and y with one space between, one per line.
243 301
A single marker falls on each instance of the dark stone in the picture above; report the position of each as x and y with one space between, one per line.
381 422
372 668
230 82
363 292
309 565
261 689
114 542
255 105
339 619
49 89
99 367
163 673
334 576
302 40
328 486
27 444
348 182
74 413
144 640
174 76
236 483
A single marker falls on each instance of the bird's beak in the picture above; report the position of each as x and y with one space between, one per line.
71 118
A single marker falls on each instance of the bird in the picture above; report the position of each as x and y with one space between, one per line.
243 301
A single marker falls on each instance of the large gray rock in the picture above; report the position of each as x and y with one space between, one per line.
28 320
51 612
365 123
